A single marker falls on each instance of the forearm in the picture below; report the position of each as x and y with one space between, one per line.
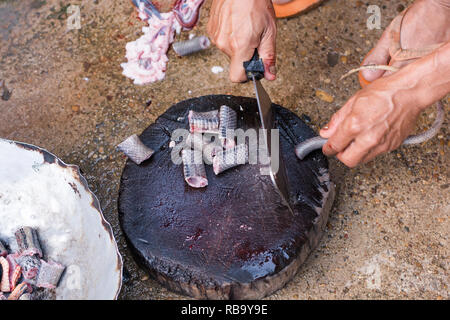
445 3
424 81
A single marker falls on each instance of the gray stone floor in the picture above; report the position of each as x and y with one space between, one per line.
387 236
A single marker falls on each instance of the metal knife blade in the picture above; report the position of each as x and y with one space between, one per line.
266 116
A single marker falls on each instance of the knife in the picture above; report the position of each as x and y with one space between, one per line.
255 72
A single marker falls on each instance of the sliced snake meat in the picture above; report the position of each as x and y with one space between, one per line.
194 168
135 150
228 123
49 274
204 122
230 158
28 241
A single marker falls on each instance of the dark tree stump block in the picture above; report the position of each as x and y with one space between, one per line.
232 239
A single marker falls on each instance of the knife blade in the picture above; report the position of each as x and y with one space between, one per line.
255 71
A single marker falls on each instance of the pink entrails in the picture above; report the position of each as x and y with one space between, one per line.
147 58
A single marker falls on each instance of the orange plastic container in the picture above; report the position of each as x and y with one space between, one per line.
294 7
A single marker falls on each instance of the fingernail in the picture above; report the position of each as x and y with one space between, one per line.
325 128
273 69
371 74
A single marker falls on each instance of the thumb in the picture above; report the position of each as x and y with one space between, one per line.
267 52
378 55
237 72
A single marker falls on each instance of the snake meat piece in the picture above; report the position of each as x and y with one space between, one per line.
4 285
135 149
30 267
194 168
15 276
49 274
18 291
228 123
28 241
3 251
204 122
196 44
230 158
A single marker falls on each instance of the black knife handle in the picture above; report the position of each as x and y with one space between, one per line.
254 67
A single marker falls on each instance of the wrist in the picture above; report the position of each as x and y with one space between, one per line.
441 3
425 81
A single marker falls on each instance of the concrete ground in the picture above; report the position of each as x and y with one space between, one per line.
387 236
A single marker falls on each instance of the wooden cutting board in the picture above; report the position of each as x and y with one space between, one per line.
232 239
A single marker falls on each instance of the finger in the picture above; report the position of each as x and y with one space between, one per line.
222 43
222 13
221 28
213 20
330 128
386 144
379 55
380 149
354 153
346 132
397 64
267 51
336 144
237 72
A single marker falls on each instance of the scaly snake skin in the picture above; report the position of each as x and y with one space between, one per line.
309 145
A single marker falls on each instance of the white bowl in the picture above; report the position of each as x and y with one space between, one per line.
39 190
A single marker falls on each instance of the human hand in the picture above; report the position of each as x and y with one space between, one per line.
238 27
377 119
425 24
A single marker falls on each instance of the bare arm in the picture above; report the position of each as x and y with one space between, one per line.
378 118
425 80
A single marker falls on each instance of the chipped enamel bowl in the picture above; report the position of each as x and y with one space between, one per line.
38 190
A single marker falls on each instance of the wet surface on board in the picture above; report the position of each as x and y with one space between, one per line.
387 236
235 238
